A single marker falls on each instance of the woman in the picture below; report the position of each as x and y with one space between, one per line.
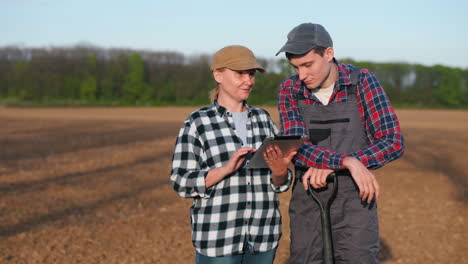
235 216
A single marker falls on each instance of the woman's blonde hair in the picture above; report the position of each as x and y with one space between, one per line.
215 91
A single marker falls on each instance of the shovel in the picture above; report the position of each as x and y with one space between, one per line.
328 254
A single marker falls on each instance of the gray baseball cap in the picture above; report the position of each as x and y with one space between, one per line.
305 37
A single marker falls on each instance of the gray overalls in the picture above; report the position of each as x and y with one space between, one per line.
355 230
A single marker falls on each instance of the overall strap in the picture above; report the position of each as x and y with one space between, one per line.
301 99
354 80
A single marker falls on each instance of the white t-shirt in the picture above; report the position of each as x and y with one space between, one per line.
240 124
324 94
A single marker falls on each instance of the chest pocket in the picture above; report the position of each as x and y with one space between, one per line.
317 135
333 134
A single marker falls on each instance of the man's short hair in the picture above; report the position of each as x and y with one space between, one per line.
319 50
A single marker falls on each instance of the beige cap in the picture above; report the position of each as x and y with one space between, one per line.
236 58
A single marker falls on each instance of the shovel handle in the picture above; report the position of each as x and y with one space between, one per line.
328 252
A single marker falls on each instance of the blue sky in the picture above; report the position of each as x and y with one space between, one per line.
424 32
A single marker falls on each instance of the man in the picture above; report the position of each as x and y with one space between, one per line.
352 129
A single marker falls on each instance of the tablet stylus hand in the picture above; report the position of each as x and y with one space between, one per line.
237 159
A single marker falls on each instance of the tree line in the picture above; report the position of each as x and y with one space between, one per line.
87 75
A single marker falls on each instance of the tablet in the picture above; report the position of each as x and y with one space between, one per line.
285 143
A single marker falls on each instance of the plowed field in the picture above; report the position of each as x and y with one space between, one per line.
91 185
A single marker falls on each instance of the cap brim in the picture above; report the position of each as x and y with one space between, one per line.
295 48
260 69
246 67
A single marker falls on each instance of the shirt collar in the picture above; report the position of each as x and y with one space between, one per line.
344 74
222 111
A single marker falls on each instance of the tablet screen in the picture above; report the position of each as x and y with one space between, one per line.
285 143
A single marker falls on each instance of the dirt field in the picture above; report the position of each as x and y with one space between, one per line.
91 185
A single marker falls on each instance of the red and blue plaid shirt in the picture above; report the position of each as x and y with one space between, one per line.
377 115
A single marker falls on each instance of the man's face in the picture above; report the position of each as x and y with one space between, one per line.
235 85
313 69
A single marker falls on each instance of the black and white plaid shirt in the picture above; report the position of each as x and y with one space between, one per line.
243 207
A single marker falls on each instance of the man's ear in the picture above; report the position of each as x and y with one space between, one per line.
218 76
329 53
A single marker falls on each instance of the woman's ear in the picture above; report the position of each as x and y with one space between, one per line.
218 76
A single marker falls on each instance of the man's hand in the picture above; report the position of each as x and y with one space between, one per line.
364 178
316 177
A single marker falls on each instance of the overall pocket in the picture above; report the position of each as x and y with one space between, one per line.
317 135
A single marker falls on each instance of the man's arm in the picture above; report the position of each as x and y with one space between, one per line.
379 120
384 134
308 155
381 124
364 178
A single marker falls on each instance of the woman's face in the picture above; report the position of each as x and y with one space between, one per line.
234 85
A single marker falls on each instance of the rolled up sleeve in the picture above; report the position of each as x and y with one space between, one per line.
187 175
